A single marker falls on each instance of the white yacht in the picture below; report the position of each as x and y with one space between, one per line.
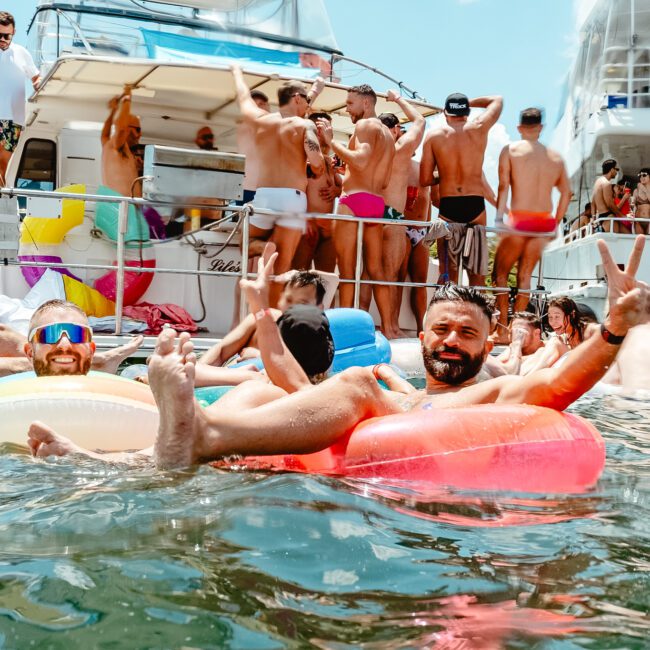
606 114
176 56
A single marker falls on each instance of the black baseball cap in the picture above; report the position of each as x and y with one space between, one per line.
457 104
305 330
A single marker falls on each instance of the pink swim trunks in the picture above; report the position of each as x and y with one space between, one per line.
526 221
364 204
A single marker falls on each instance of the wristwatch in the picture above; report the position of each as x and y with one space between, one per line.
609 337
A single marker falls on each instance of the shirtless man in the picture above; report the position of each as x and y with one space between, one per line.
519 358
284 143
531 171
119 164
395 193
416 260
304 288
317 245
602 196
59 351
457 149
265 420
368 161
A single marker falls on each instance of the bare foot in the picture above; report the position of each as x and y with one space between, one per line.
394 333
171 376
109 360
43 442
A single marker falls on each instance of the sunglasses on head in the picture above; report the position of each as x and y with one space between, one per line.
51 334
6 37
643 174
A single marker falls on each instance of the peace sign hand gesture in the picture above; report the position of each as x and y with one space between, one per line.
629 299
257 290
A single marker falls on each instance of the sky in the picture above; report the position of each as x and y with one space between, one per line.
520 49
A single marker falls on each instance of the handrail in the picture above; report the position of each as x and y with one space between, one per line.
245 212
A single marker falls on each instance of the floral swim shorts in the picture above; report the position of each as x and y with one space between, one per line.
9 134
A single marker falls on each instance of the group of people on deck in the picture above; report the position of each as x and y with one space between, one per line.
294 165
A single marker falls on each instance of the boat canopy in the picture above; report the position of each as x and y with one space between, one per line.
173 99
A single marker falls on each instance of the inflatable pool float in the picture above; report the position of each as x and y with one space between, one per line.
97 411
488 447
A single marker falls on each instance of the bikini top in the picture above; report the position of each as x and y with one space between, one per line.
642 200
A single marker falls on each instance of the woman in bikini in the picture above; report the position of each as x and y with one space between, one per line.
641 199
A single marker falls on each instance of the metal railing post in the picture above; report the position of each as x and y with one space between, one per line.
122 223
245 245
357 268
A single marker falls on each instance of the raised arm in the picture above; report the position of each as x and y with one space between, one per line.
108 124
280 365
504 183
123 119
564 187
312 149
249 109
413 136
493 106
428 164
629 305
365 135
315 90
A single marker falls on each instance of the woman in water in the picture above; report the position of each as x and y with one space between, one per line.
570 326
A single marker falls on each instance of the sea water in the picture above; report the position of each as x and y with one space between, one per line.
106 556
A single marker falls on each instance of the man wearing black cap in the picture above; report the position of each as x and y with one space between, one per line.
530 171
602 197
457 150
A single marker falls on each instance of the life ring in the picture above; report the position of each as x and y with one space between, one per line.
486 447
139 250
97 411
39 233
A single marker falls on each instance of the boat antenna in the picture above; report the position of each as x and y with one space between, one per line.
401 85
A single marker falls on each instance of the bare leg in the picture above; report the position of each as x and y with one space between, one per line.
393 254
447 271
419 271
305 252
325 256
373 245
286 241
477 279
533 249
109 360
345 243
401 277
5 157
508 252
365 292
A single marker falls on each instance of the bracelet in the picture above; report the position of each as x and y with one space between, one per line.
609 337
262 312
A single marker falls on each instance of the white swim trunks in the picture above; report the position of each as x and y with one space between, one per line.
283 199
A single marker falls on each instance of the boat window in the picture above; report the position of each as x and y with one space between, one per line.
37 169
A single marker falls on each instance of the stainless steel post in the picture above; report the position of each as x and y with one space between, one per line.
357 268
245 244
122 223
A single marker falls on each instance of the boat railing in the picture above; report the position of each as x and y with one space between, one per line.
240 215
596 226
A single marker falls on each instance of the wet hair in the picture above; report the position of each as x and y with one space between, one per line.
572 313
52 305
365 91
531 319
287 90
453 293
389 119
320 116
7 20
608 165
309 279
258 94
530 117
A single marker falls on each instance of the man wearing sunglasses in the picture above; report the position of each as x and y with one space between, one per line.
59 343
120 138
16 64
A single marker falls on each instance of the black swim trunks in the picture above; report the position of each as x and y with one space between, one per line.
461 209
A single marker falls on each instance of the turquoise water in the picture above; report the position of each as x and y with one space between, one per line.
96 556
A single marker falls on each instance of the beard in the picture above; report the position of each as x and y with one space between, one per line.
44 368
451 371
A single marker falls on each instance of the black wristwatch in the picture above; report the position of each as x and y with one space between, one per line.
609 337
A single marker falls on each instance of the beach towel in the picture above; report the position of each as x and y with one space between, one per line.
157 316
